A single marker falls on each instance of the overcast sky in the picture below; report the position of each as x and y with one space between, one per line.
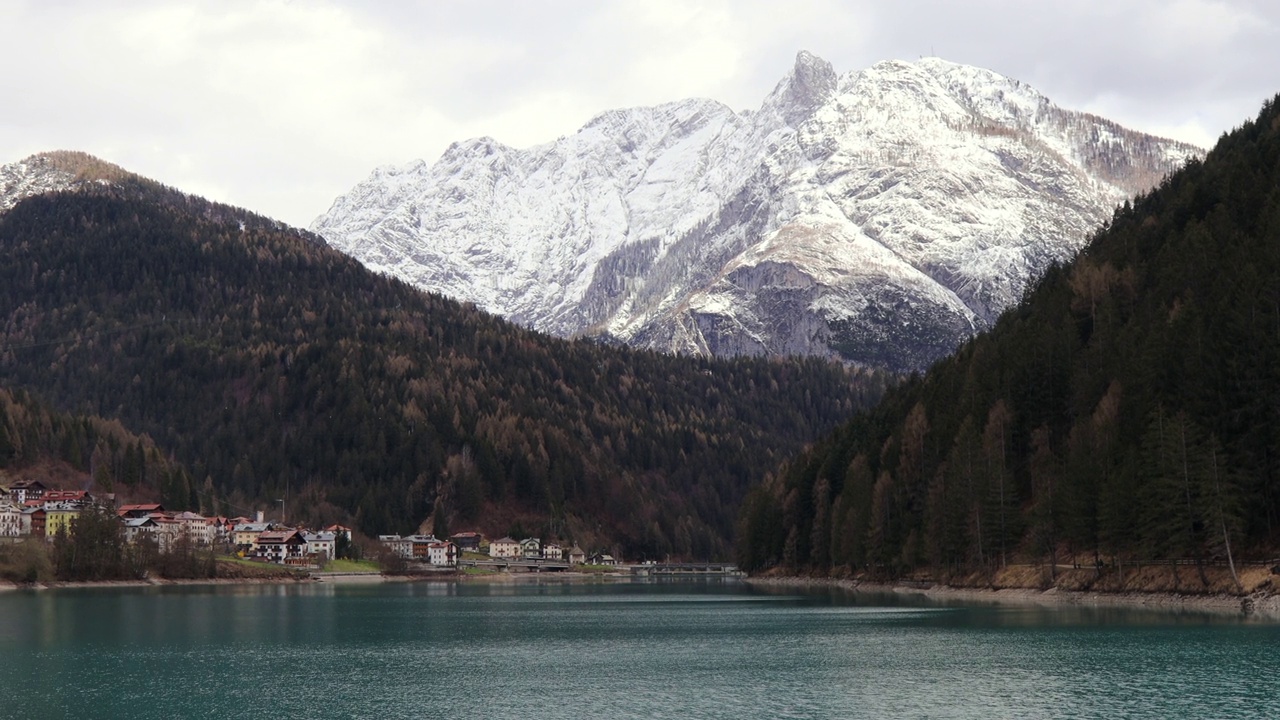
279 106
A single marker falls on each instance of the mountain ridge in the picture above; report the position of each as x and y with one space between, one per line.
824 222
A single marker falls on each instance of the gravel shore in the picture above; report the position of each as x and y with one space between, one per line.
1263 606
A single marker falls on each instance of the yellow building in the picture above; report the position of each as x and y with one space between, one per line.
59 520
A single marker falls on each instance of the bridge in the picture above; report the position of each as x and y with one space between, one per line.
517 564
688 568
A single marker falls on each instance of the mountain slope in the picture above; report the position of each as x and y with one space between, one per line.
880 217
276 367
82 452
1126 412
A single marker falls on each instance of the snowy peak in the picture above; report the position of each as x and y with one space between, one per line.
810 84
879 217
985 93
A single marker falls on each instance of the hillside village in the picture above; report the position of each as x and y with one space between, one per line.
29 509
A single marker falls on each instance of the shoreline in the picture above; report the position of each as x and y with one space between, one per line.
1264 606
1258 605
322 578
150 582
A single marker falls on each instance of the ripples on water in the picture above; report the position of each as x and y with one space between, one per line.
651 650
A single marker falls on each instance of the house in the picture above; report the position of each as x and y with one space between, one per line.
443 554
340 530
531 548
281 546
24 490
467 541
398 546
420 547
222 529
195 526
32 520
139 511
320 545
602 559
245 536
342 538
552 551
138 528
10 519
167 531
576 555
504 547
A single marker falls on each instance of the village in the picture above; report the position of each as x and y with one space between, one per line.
29 509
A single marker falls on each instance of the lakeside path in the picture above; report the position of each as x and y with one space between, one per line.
1262 606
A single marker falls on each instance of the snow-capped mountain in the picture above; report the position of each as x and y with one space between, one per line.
880 217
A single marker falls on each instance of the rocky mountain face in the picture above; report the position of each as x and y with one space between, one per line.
879 217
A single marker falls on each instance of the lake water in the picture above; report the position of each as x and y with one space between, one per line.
714 649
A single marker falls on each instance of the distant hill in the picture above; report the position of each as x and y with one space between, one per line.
276 368
1127 411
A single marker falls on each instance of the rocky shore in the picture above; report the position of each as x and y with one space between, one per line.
1260 603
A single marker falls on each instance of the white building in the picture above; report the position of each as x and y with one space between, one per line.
321 543
401 547
504 547
10 519
531 548
136 529
196 527
282 546
444 554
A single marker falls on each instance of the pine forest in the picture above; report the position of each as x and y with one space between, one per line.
1126 412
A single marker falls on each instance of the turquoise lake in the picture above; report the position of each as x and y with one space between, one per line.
715 649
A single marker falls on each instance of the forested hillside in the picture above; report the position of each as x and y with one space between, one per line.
1128 410
274 367
78 451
